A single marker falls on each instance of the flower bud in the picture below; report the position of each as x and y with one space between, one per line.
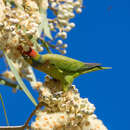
59 42
78 10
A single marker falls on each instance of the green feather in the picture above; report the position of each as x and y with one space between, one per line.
62 62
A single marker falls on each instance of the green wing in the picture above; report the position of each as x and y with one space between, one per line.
67 64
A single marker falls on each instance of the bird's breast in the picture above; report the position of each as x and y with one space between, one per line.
49 69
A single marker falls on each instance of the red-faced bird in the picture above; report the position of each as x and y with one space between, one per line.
59 67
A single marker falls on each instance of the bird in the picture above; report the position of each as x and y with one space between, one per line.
59 67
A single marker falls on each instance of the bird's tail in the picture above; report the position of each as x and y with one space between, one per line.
96 69
106 68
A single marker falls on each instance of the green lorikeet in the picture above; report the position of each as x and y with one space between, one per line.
60 67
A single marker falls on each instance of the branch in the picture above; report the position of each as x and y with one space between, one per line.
33 113
12 127
22 127
9 83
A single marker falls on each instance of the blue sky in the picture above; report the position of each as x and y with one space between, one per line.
102 34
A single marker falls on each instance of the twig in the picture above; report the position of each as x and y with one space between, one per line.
8 83
4 109
12 127
45 45
54 10
52 46
33 113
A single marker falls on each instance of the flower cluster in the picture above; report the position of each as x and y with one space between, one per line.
64 11
70 101
58 121
93 124
17 25
20 21
64 110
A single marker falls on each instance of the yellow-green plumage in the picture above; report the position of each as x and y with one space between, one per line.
61 67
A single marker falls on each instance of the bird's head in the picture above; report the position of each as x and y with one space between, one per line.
30 53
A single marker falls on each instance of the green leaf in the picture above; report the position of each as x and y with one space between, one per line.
4 109
19 80
44 25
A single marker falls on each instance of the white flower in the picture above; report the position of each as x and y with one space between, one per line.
2 7
93 123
